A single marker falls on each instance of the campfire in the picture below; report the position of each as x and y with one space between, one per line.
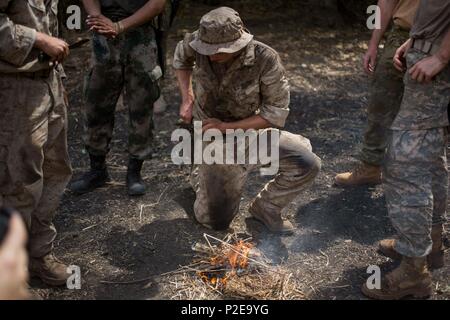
231 260
231 268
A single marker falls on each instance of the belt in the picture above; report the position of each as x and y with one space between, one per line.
41 74
425 46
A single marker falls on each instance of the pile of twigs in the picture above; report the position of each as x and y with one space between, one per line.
231 268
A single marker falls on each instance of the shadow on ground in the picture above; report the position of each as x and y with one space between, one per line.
344 215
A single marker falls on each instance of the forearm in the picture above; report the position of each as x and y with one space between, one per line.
255 122
150 10
184 78
387 12
444 52
92 7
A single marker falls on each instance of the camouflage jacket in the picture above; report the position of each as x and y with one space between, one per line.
19 22
255 83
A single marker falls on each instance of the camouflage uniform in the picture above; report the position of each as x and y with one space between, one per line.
415 175
255 83
386 88
127 63
385 97
34 162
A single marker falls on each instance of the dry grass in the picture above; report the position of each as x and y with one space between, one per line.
205 279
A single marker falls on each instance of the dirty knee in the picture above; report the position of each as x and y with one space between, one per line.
307 166
217 216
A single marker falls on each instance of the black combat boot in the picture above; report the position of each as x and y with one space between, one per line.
135 185
95 178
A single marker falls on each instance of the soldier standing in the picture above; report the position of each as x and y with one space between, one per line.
386 90
125 58
34 162
415 177
240 83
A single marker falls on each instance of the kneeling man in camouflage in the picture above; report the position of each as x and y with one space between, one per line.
240 84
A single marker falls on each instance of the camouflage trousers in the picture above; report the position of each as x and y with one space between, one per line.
128 64
415 174
416 187
34 162
219 187
385 97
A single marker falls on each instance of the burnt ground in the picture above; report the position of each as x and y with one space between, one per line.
107 236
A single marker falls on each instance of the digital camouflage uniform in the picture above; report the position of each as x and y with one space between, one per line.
255 83
34 162
416 176
129 64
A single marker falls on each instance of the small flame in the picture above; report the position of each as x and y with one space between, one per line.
238 258
235 259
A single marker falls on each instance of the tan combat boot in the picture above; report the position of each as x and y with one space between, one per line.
435 259
411 278
386 248
362 174
274 223
49 269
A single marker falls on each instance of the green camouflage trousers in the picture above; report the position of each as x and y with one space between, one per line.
385 97
415 175
34 162
128 63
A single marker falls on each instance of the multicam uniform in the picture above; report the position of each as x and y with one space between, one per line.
255 83
416 176
34 162
127 63
386 89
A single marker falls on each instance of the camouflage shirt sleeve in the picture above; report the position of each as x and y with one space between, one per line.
16 41
184 58
274 91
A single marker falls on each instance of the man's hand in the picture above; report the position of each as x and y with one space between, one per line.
426 69
55 48
186 110
102 25
387 8
370 60
400 54
213 123
14 262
